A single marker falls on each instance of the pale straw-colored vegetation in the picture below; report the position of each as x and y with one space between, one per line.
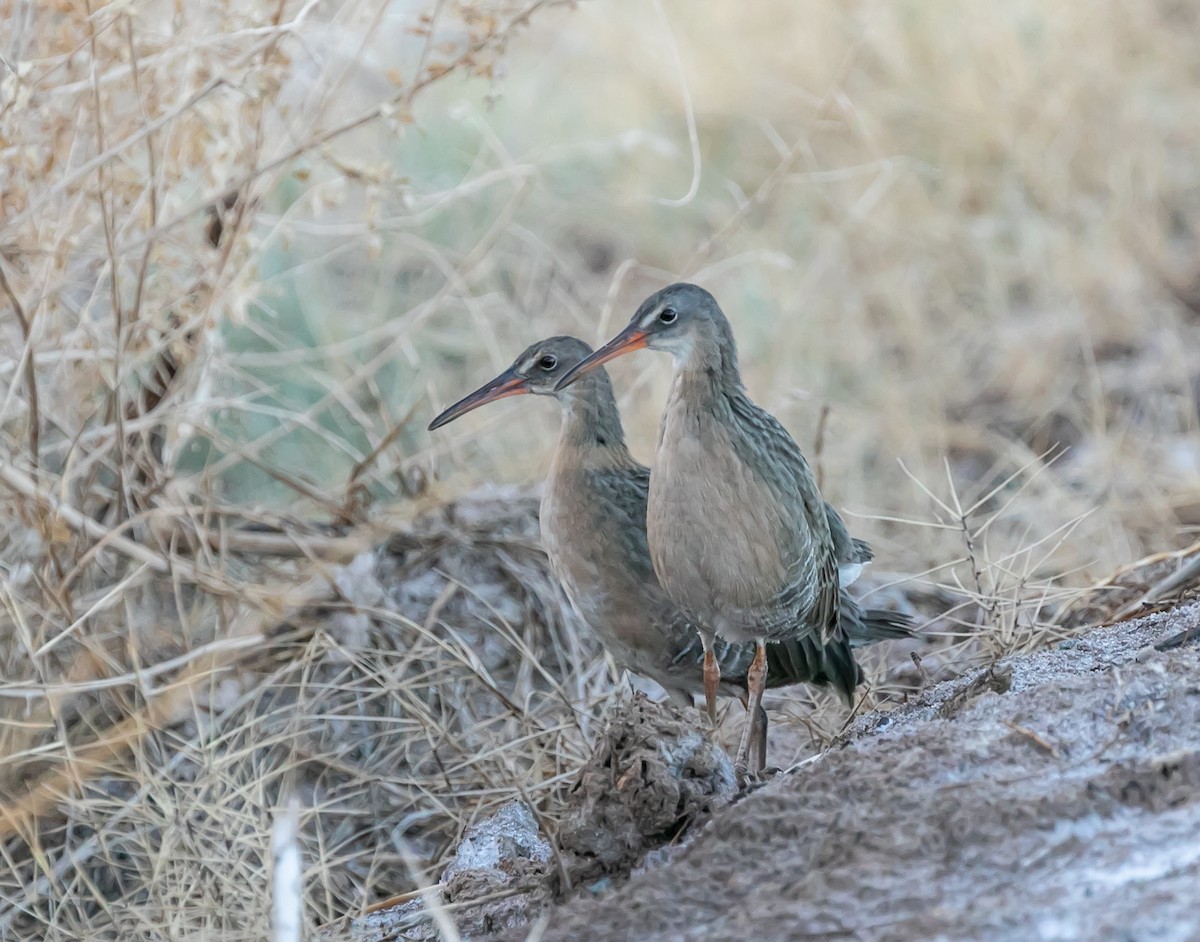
247 249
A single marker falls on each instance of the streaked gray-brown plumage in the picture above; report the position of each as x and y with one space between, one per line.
740 537
593 521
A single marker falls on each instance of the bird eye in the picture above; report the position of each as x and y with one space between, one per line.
548 362
667 316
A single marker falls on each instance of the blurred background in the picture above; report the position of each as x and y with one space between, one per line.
250 249
965 233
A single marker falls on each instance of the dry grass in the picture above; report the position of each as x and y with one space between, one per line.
249 248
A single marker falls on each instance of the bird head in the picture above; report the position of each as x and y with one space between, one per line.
535 372
675 320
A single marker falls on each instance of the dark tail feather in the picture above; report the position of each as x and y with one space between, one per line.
841 670
875 624
794 661
861 551
859 628
804 660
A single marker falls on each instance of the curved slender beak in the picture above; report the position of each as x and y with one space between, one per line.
506 384
630 339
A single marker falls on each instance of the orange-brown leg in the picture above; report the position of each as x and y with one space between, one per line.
756 681
712 677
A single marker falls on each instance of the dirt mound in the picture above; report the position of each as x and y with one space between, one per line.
1055 796
652 775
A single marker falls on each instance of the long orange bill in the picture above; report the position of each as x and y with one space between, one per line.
506 384
630 339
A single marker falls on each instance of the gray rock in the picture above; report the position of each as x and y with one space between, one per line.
1053 795
502 852
505 850
652 775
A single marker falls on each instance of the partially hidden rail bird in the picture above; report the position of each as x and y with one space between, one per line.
593 524
739 535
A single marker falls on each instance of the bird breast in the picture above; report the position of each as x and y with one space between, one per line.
563 524
593 530
715 528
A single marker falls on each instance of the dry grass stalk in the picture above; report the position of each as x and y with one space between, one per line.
151 628
248 247
287 899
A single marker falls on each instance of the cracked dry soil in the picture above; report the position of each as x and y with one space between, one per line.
1056 797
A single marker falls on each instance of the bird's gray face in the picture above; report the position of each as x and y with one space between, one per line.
672 320
670 327
535 372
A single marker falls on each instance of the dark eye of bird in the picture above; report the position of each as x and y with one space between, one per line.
548 362
667 316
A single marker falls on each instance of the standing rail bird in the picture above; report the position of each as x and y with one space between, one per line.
739 534
593 521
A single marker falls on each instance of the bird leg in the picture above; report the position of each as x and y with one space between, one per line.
758 744
712 676
756 680
760 739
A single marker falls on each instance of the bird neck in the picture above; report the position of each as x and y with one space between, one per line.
707 372
591 420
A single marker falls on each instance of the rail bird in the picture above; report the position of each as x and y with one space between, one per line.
739 535
593 524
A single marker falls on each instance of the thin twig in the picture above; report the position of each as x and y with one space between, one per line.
768 188
375 113
819 445
27 358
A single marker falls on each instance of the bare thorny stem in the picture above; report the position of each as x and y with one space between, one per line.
35 421
402 102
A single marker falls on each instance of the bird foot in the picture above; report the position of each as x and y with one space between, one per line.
741 767
746 780
754 730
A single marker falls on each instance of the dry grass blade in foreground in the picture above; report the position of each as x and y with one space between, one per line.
248 248
168 673
422 694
